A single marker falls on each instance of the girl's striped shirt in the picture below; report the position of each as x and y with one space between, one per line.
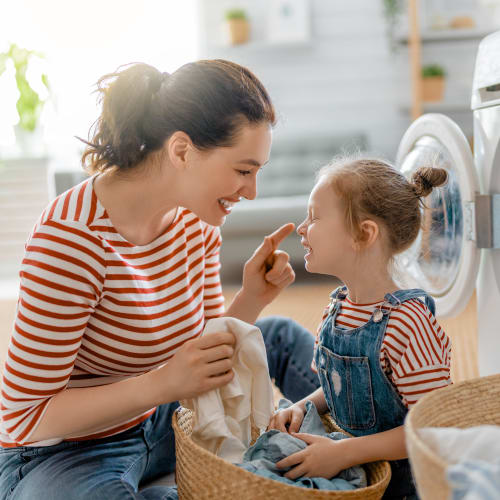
94 309
415 351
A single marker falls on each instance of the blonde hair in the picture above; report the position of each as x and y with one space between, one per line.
373 188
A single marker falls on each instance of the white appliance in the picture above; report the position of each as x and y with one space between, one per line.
458 249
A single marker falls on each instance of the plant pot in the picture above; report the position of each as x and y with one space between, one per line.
432 88
239 31
30 144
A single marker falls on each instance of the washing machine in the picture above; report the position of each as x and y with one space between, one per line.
458 248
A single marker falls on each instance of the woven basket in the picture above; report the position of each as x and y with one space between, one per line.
466 404
200 474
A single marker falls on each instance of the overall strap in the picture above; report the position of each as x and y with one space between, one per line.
340 292
400 296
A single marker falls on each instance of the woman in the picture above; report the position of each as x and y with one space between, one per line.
119 276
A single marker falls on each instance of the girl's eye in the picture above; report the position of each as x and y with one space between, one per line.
244 172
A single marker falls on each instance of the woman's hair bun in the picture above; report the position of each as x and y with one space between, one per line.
425 179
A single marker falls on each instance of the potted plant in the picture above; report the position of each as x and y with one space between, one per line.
29 104
25 180
239 28
392 9
433 76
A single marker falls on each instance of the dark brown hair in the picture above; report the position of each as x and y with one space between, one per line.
209 100
372 188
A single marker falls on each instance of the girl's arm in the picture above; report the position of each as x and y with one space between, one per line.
318 398
290 419
324 457
388 445
265 275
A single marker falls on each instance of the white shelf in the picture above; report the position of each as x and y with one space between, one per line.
260 46
440 107
448 34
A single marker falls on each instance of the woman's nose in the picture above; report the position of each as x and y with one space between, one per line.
249 190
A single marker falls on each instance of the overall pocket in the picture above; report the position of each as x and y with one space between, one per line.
347 385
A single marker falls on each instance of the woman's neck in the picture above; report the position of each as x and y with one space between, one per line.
136 203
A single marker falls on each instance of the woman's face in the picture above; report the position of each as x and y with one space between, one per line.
218 178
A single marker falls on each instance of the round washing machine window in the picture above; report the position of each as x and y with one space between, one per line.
444 259
432 262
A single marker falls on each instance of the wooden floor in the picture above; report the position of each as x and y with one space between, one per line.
305 304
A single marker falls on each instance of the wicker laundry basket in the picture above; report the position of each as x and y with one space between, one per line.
202 475
466 404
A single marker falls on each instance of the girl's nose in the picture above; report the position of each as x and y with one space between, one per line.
300 228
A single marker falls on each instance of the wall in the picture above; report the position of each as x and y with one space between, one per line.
347 79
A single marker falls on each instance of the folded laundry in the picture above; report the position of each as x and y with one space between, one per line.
473 455
274 445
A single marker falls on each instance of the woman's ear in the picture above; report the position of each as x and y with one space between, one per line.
177 147
369 232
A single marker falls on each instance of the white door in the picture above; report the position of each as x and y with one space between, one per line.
444 259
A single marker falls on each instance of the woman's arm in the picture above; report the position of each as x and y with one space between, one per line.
81 411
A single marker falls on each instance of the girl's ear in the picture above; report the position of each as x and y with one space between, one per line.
369 232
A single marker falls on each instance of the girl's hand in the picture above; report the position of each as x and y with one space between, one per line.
200 365
323 457
268 271
291 417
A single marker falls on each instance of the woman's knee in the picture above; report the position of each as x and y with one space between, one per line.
279 331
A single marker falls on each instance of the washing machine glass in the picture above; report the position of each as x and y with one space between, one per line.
433 260
444 258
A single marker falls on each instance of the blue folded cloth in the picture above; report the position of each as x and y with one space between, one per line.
272 446
474 480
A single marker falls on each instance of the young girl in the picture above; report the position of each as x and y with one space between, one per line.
379 348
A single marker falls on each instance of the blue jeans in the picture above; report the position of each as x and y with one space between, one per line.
289 348
115 467
101 469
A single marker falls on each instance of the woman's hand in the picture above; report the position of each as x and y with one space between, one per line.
268 271
288 419
200 365
323 457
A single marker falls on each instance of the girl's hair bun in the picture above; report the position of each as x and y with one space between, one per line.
425 179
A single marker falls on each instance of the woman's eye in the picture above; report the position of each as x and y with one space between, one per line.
244 172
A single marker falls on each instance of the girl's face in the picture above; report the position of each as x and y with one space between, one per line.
216 179
329 245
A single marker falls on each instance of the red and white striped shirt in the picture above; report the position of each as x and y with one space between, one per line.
415 352
95 309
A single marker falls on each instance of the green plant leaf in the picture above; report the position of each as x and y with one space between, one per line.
29 105
235 14
431 70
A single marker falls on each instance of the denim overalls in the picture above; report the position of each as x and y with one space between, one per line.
360 397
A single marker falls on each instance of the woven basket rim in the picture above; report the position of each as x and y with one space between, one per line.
412 428
292 489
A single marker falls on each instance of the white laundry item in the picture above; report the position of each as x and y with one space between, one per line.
223 416
473 457
456 445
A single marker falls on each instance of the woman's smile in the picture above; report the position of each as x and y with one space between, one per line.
227 205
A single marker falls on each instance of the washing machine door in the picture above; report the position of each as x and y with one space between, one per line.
444 259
